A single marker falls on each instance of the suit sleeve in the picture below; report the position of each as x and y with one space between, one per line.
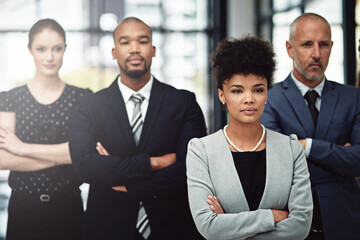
218 226
300 204
172 180
330 155
270 119
343 160
89 165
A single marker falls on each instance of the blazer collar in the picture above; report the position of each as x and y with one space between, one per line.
117 104
234 192
329 101
298 104
273 171
155 103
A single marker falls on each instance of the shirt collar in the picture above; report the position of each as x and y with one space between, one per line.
303 88
128 92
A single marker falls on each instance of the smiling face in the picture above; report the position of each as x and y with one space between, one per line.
245 97
133 49
48 48
310 49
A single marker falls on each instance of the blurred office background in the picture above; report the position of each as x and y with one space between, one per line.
185 34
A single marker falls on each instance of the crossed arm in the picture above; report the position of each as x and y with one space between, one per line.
156 163
215 206
213 223
99 168
134 170
340 158
20 156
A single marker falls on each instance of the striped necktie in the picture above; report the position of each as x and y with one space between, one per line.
136 121
136 125
143 225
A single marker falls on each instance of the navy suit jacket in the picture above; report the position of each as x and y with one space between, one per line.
173 118
332 166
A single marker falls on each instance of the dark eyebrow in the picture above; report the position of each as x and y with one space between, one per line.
122 38
127 37
239 86
306 42
144 36
236 85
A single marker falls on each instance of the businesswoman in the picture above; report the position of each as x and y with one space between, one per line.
245 181
45 201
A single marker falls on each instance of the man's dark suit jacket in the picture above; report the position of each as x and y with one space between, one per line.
332 166
173 118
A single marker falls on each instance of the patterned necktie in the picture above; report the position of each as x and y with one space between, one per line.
136 125
311 97
143 225
136 121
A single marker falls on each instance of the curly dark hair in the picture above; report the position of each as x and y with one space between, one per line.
247 55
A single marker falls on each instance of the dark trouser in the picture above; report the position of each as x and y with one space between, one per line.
315 236
138 236
316 231
58 218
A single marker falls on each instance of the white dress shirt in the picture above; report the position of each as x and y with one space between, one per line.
303 89
127 92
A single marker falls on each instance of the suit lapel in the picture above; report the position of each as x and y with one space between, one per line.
268 178
329 99
116 101
297 102
276 171
230 187
155 103
271 171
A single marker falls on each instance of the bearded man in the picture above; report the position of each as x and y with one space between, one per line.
129 142
325 116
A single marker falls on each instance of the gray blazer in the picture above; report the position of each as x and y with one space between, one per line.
211 171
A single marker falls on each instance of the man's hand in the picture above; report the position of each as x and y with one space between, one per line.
279 215
303 142
120 188
102 151
155 162
163 161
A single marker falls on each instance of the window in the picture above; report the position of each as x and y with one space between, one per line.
284 12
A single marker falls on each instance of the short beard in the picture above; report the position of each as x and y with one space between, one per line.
306 76
136 74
